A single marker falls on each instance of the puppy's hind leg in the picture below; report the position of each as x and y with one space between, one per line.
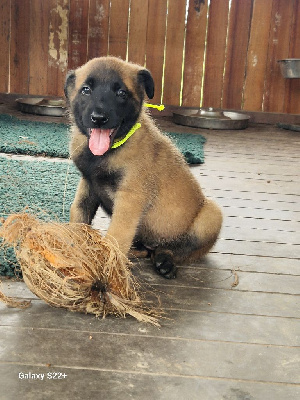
205 229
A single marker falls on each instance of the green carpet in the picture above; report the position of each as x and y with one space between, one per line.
50 139
46 188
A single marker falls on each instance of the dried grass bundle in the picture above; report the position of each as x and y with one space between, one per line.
72 266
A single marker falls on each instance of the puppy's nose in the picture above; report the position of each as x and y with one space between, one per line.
99 118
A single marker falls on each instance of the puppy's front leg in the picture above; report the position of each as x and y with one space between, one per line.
128 209
85 204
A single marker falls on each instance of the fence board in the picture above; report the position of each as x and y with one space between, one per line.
174 52
97 38
216 50
257 55
118 31
19 46
236 56
78 27
194 54
138 31
4 43
156 32
292 103
58 46
38 47
278 48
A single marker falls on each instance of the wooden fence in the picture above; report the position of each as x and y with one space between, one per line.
218 53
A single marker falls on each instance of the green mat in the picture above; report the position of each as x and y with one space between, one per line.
46 188
50 139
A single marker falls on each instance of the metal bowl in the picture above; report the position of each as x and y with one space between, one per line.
290 67
211 119
41 106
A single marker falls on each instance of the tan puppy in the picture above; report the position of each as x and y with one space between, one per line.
141 181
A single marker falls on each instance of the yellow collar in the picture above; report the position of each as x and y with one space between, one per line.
119 142
135 127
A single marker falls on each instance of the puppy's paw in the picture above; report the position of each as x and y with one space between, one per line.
164 265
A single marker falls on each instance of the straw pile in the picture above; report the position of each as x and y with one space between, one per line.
72 266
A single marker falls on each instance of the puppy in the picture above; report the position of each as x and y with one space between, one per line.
132 170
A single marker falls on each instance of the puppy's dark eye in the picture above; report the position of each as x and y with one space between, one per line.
122 93
86 91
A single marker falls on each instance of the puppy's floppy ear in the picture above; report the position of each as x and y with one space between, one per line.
145 79
69 83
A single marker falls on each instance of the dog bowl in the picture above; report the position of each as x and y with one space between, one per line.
42 106
211 119
290 67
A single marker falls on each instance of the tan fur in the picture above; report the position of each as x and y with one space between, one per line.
158 195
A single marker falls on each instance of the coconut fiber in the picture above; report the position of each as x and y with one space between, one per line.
73 266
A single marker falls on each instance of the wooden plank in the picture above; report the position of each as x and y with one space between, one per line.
257 195
174 52
194 53
115 385
242 262
258 157
258 175
237 46
257 55
137 38
264 213
270 361
19 46
78 28
257 248
254 203
215 53
5 21
239 166
98 29
182 324
118 28
58 46
292 104
228 301
221 279
260 235
156 31
252 223
267 186
280 29
38 47
252 176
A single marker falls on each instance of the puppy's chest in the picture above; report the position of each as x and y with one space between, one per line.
103 180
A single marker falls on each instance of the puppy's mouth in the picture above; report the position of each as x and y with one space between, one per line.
100 140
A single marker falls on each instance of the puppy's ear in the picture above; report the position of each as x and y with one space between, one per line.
69 83
145 79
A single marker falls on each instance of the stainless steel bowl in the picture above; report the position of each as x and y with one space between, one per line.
290 67
41 106
211 119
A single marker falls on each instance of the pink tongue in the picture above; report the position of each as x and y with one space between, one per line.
99 141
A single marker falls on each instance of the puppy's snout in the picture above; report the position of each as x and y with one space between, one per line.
99 118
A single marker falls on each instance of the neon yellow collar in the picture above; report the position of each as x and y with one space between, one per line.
119 142
135 127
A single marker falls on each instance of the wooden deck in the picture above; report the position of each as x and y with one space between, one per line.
221 341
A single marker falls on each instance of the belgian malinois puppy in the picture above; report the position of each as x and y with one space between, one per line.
132 170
